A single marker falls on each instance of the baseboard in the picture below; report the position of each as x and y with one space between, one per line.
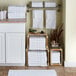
12 64
69 64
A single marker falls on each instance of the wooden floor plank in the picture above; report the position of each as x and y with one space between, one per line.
61 71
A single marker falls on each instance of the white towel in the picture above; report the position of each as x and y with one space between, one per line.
51 72
55 57
37 18
16 9
50 4
37 4
37 58
3 15
16 15
51 19
37 43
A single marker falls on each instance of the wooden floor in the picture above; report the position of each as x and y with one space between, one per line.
61 71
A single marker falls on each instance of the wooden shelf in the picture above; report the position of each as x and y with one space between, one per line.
56 64
61 57
43 8
13 21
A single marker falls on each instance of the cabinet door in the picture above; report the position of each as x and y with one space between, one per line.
2 48
15 48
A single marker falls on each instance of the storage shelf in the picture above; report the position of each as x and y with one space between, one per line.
56 49
43 8
37 34
13 21
61 57
28 44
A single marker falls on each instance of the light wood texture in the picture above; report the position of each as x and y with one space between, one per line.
41 8
13 21
61 71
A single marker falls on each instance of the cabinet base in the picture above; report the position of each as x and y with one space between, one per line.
12 64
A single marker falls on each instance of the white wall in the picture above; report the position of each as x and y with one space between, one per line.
70 33
12 2
18 2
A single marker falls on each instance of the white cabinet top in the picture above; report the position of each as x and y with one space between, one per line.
12 27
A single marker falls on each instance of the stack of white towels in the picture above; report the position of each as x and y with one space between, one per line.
37 43
3 14
16 12
37 55
37 58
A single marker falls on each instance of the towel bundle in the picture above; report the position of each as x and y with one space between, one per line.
16 12
37 43
37 58
3 14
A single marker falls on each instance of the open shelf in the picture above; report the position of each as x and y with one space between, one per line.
13 21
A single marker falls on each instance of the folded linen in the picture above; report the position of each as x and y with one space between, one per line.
16 15
50 4
37 43
16 9
37 4
37 58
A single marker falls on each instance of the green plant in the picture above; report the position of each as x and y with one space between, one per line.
32 30
57 35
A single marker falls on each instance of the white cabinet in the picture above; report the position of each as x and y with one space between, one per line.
12 44
2 48
15 51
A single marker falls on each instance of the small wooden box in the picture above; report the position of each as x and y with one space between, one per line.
56 57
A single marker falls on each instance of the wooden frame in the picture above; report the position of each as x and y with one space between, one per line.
61 57
47 50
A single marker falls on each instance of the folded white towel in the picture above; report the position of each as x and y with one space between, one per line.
37 58
37 43
51 19
3 15
16 9
37 18
50 4
16 15
37 4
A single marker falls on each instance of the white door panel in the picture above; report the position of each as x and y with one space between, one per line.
15 48
2 48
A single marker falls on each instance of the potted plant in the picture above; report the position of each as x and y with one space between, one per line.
32 30
56 36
